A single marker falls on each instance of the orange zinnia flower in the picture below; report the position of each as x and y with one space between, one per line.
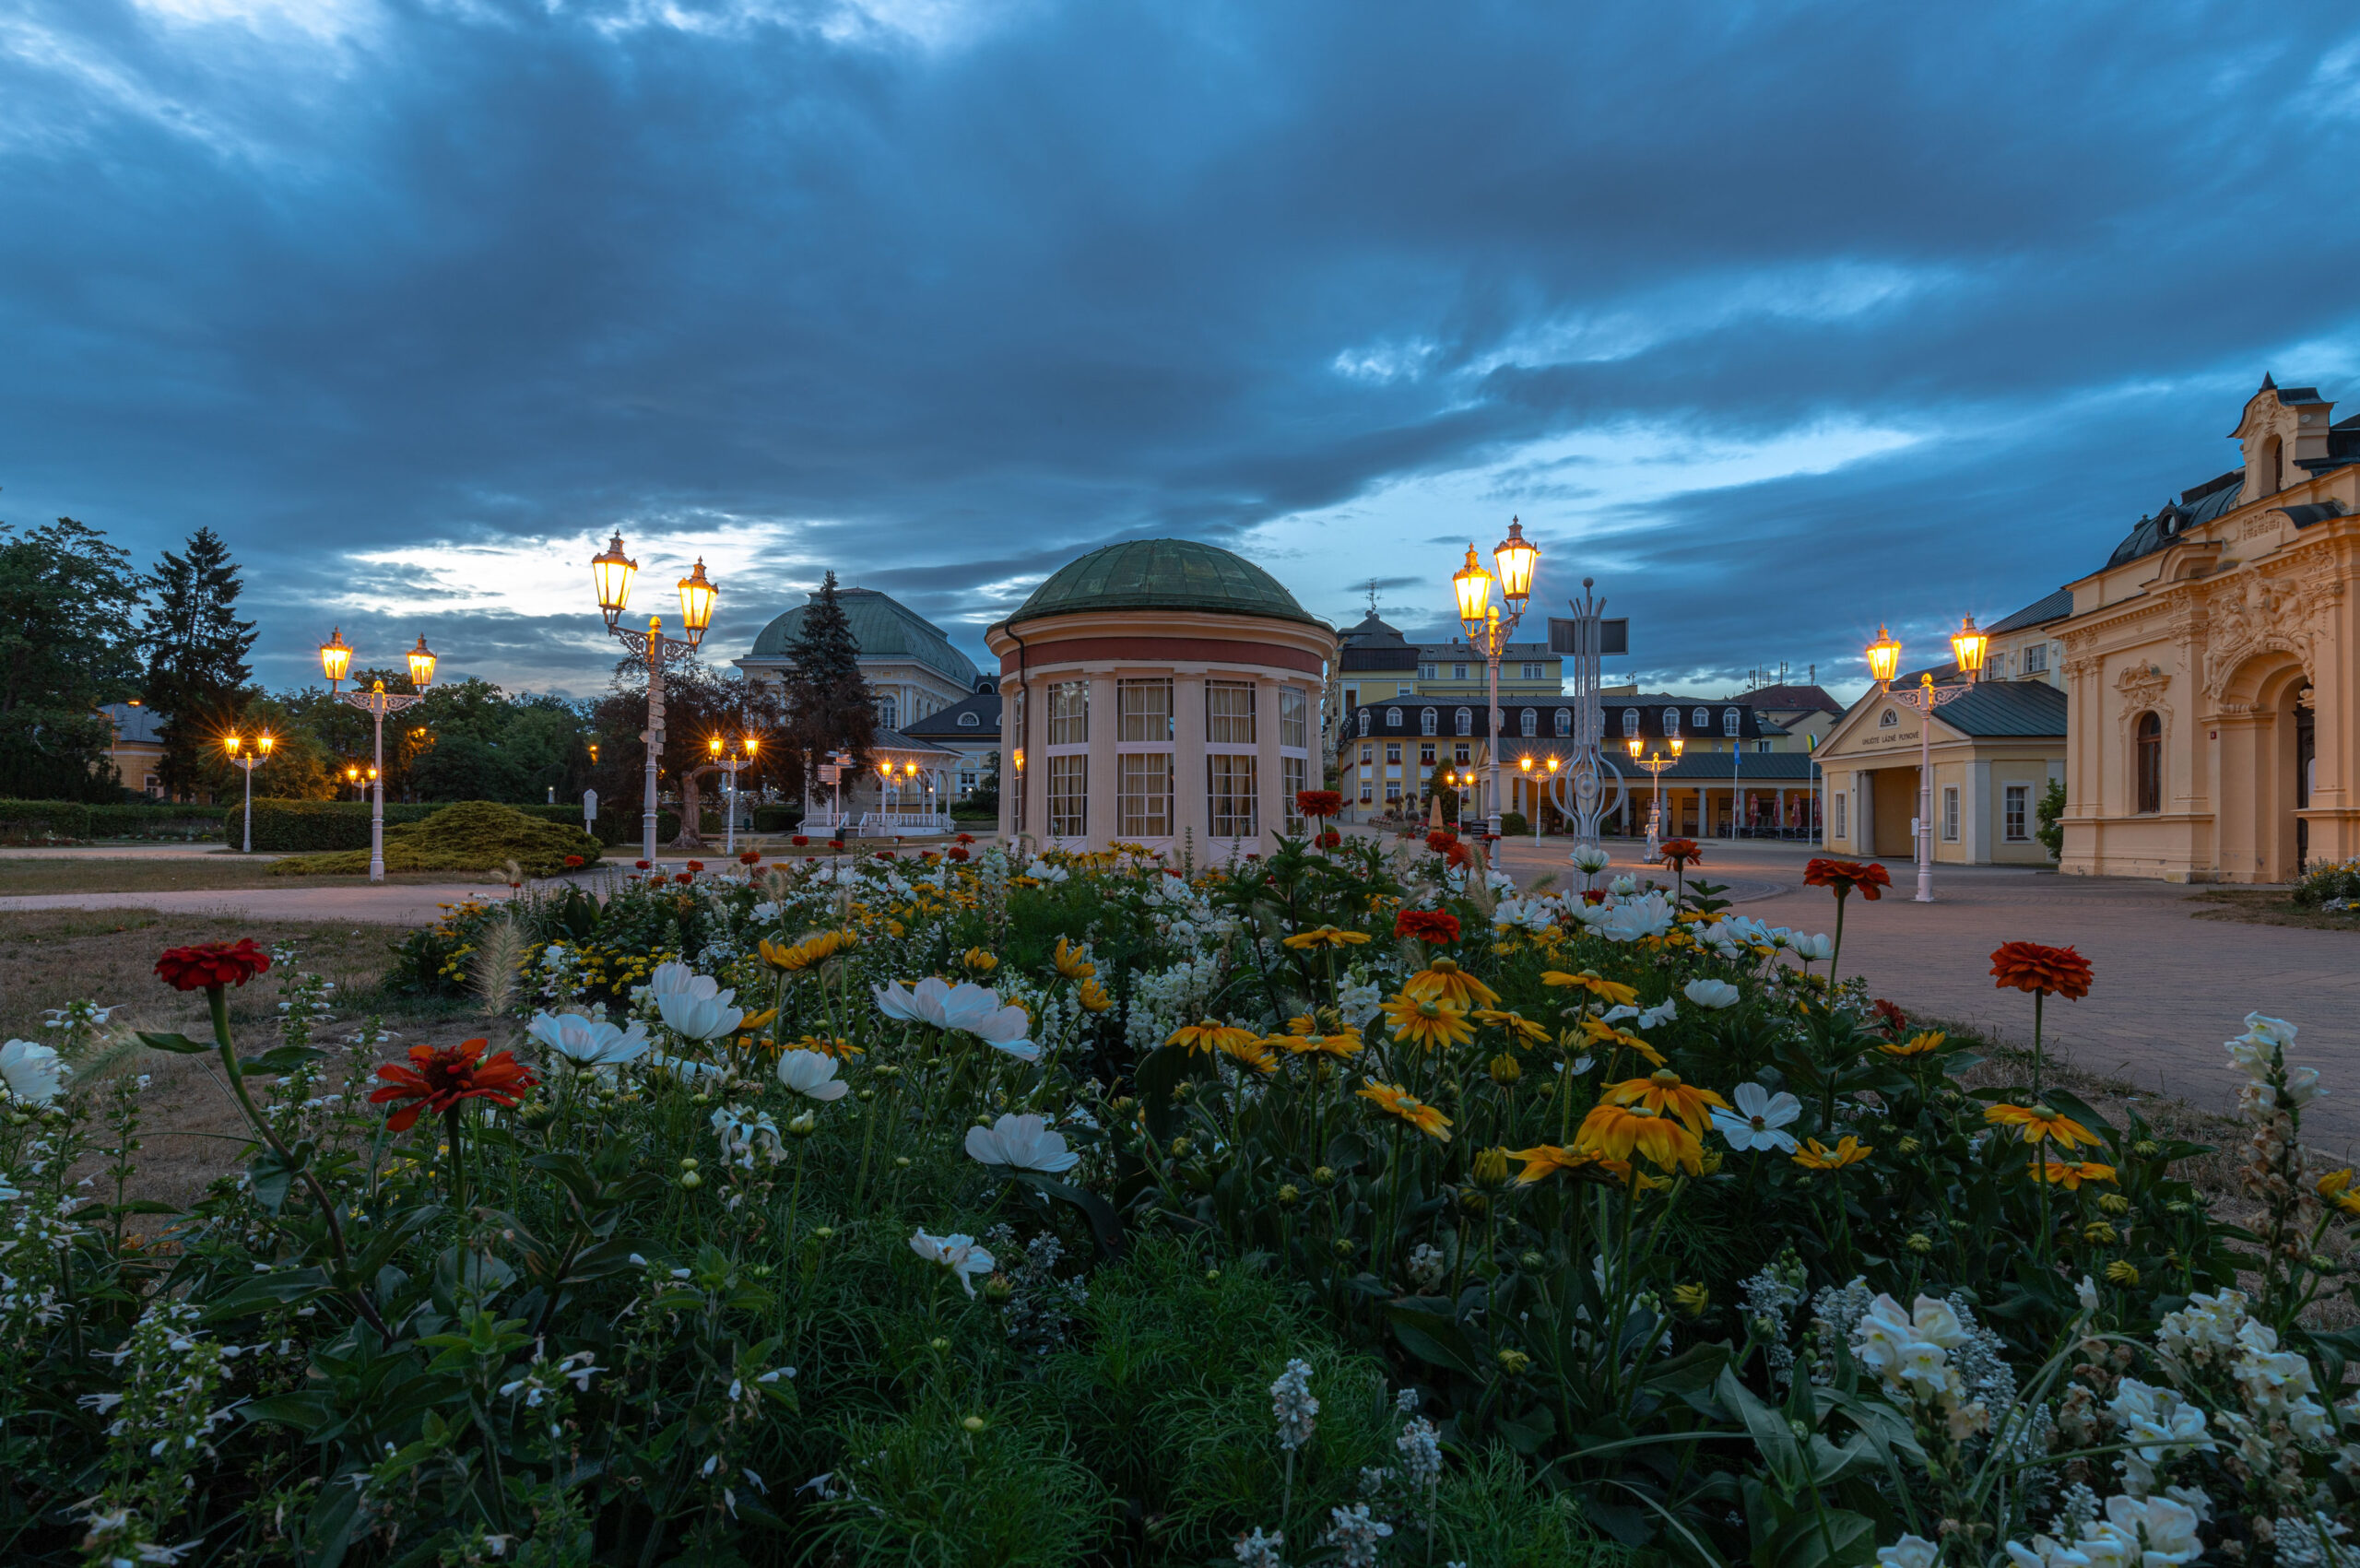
1427 1022
2067 1173
2051 972
2039 1122
437 1079
1394 1101
1619 1132
1815 1155
1844 875
1443 981
1613 993
1663 1094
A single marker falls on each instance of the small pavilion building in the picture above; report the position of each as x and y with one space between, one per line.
1160 692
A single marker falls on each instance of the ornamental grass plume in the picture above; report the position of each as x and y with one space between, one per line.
2044 971
1841 878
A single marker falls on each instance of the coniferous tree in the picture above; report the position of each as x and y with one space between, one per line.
829 704
196 655
67 602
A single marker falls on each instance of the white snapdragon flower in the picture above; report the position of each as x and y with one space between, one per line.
958 1253
2159 1425
1022 1143
1360 1003
1714 994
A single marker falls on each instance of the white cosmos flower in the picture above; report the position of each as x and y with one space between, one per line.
695 1017
587 1043
744 1133
1022 1143
1758 1117
966 1006
1713 994
812 1075
1623 887
1589 860
1662 1013
955 1252
678 978
1909 1551
32 1072
1813 948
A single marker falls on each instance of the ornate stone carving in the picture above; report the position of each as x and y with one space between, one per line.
2141 686
2284 610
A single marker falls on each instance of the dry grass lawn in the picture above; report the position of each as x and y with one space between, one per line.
194 1131
2267 906
33 873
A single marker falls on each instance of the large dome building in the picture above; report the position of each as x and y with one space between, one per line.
1161 692
908 662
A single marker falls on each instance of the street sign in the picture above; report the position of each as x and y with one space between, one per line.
589 806
1613 632
829 772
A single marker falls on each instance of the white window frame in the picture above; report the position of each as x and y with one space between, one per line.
1836 816
2015 813
1949 813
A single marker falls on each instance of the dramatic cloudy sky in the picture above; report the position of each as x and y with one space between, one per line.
1778 320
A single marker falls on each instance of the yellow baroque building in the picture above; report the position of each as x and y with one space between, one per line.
2213 708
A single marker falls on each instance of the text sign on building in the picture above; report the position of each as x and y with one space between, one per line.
1613 635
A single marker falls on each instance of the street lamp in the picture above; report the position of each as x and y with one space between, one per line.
1884 657
247 758
1968 646
729 764
377 702
335 658
1655 763
1488 629
611 573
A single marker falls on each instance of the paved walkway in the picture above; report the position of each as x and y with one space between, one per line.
2169 987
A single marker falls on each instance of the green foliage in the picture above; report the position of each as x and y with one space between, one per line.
41 821
1514 824
933 1495
2049 817
306 826
475 836
196 659
828 702
67 599
2335 882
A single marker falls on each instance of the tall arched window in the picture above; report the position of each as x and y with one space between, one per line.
2273 463
2149 744
885 710
1565 721
1393 718
1728 721
1670 722
1425 721
1531 724
1466 720
1365 718
1703 721
1630 722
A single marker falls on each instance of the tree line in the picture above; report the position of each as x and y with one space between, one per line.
81 626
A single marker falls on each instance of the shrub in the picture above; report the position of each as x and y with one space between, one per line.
475 836
777 818
299 827
2333 884
1514 825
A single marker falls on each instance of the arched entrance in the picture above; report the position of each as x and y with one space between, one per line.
2266 761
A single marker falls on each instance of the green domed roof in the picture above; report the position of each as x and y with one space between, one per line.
1163 575
883 627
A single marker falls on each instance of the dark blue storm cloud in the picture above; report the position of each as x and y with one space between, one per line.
1779 320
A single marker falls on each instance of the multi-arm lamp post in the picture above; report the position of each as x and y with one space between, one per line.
729 764
1967 646
1655 764
336 661
612 572
249 756
1488 629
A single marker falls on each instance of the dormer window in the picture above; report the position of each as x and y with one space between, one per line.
1703 721
1630 722
1393 718
1426 721
1728 721
1670 722
1466 720
1364 721
969 721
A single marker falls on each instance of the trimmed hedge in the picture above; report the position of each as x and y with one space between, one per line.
35 821
316 827
617 829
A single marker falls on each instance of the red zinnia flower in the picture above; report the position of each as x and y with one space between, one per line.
1889 1018
1456 855
572 862
214 963
696 864
884 854
683 878
800 840
2052 972
1427 925
1846 875
1684 850
643 864
1330 839
1440 839
437 1079
966 838
956 852
749 856
1594 895
1318 802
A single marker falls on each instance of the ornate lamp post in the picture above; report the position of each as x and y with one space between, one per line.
611 571
249 757
1655 763
729 764
1488 629
1967 646
335 660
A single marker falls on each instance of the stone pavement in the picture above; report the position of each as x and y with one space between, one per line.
2168 988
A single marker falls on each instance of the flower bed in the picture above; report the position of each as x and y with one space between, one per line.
1338 1207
